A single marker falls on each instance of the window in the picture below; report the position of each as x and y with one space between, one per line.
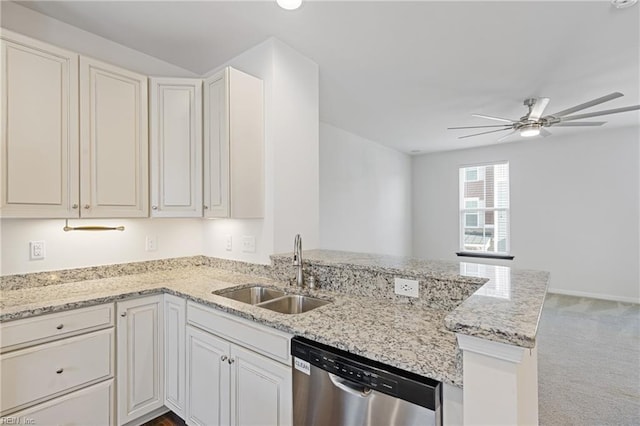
484 210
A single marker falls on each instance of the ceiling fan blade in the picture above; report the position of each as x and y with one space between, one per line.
478 127
579 123
585 105
598 113
544 132
506 136
484 133
538 108
506 120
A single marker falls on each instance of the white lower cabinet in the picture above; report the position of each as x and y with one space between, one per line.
174 353
228 384
140 354
261 391
59 368
207 379
88 406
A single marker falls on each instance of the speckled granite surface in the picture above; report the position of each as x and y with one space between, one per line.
373 275
408 337
39 279
492 302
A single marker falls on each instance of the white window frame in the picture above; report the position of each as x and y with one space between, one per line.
481 211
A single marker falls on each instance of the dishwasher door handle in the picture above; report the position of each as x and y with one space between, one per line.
349 386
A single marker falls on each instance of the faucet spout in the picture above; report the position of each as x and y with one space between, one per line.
297 260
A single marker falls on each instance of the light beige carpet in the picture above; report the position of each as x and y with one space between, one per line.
589 362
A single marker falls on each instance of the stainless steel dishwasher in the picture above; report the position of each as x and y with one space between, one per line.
335 388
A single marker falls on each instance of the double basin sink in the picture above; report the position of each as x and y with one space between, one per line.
273 299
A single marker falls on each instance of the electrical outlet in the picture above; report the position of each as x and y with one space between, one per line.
36 250
249 244
151 243
404 287
228 242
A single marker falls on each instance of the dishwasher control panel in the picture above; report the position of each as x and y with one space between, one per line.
371 374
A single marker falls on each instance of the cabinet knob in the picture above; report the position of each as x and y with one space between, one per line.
206 207
231 361
223 358
86 206
75 206
124 314
59 370
154 207
60 326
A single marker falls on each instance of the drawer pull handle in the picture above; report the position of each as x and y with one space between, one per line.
124 314
231 361
59 370
59 327
223 358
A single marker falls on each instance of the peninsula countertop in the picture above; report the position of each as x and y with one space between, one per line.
404 336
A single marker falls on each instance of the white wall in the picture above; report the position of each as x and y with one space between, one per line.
365 195
174 237
291 157
574 208
41 27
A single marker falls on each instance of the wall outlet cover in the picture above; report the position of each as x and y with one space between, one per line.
405 287
228 242
36 250
249 244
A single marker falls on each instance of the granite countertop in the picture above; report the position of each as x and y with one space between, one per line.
506 308
408 337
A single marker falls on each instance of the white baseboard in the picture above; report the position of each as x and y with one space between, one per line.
595 296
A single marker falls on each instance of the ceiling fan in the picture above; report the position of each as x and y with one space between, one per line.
534 123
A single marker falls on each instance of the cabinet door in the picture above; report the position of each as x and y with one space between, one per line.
176 147
216 145
114 143
261 390
40 129
174 354
246 124
233 145
207 379
140 357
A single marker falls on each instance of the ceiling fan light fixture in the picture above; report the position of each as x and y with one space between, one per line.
289 4
530 130
623 4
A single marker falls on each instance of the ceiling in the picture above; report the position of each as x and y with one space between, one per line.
400 73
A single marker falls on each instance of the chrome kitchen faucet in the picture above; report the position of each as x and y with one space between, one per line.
297 260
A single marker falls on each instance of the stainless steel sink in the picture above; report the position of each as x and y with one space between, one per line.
252 295
273 299
294 304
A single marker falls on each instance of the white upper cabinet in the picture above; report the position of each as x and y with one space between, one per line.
233 145
114 177
39 129
175 125
64 158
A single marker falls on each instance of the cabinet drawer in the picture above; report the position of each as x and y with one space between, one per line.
88 406
34 374
31 331
270 342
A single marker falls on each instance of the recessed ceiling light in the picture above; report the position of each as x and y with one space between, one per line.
623 4
289 4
